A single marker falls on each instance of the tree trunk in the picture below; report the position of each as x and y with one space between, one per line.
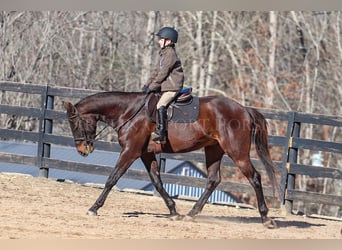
198 62
147 62
90 58
271 59
211 60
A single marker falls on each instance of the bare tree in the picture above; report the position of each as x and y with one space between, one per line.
271 80
148 46
212 54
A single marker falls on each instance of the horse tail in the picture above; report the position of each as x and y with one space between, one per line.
260 135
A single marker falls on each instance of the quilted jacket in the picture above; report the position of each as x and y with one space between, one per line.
168 74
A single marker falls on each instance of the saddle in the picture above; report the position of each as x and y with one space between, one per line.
183 109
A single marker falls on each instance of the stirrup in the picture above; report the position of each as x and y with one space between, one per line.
157 138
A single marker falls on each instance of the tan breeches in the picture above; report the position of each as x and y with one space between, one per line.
166 98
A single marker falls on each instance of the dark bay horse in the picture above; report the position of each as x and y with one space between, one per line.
223 127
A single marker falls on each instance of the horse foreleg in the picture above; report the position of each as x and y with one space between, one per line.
123 163
213 155
153 169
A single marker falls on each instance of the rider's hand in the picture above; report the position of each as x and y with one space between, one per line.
146 89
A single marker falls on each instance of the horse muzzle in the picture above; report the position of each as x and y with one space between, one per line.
85 149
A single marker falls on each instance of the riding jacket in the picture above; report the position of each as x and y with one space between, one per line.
168 74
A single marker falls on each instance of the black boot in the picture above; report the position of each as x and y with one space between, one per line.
160 134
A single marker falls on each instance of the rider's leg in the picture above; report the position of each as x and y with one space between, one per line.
160 134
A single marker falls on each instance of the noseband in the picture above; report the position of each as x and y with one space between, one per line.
77 119
85 136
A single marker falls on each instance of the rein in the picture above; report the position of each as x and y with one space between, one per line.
117 128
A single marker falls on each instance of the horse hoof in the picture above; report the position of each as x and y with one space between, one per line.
91 213
270 224
189 218
176 217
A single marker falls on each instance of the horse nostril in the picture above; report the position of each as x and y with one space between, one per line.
81 152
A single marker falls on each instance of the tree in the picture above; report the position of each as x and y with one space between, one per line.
148 46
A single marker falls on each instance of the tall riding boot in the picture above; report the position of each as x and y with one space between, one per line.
160 134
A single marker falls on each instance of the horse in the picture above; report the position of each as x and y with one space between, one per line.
223 127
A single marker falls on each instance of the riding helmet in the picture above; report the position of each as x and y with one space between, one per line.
168 33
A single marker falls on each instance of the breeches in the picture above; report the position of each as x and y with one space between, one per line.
166 98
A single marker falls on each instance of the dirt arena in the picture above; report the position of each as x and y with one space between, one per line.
44 208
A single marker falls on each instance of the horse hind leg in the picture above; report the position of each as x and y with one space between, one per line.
213 155
254 179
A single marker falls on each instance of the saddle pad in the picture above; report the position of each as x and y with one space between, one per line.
178 113
184 113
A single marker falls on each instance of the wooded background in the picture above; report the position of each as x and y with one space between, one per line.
283 60
288 60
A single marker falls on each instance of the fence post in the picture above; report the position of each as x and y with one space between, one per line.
293 155
161 164
45 126
290 156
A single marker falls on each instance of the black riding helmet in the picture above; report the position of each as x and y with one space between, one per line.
168 33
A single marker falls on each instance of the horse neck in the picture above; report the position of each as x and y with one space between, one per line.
111 107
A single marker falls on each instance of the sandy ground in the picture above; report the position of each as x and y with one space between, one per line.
41 208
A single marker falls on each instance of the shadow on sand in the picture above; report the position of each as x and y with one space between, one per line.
281 222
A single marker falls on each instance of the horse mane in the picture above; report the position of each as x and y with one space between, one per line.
109 98
108 94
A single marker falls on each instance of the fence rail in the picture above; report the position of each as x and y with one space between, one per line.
46 115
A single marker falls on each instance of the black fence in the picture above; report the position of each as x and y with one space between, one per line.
290 144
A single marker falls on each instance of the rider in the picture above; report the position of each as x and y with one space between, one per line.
168 78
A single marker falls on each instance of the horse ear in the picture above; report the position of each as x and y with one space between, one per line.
69 107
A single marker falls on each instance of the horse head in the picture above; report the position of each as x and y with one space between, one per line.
83 128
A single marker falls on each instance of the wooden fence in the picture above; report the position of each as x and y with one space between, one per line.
290 144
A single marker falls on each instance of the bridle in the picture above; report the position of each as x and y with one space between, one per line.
85 137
